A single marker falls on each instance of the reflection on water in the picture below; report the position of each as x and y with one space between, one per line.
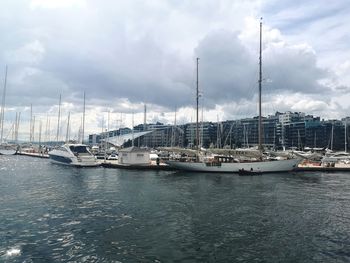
57 213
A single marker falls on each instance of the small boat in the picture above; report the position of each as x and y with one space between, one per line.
8 149
77 155
250 172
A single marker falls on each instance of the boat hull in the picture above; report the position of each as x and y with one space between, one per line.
7 152
262 167
8 149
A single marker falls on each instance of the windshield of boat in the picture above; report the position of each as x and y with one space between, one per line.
79 149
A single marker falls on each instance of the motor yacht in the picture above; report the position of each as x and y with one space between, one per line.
73 155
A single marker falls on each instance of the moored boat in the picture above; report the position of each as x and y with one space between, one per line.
227 163
73 155
8 149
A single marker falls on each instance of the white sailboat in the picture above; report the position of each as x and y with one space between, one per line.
228 164
5 148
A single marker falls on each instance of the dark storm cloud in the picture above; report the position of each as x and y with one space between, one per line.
226 68
229 72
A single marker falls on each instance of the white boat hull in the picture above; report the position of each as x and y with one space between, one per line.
7 152
263 167
7 149
90 163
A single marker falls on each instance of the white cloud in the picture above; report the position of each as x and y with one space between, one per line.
52 4
29 54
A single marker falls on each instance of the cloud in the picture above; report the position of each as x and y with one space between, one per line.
124 54
56 3
293 68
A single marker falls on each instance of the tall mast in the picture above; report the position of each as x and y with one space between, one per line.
173 130
33 129
82 137
14 128
108 118
197 100
332 134
40 127
260 80
58 119
31 124
2 114
46 128
17 126
67 132
345 139
145 118
132 130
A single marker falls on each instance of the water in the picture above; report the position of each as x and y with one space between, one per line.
52 213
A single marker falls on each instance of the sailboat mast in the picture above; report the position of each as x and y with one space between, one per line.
197 102
260 80
40 127
31 124
58 119
2 114
17 126
132 129
67 132
82 137
332 134
345 138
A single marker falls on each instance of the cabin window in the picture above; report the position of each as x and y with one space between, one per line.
78 149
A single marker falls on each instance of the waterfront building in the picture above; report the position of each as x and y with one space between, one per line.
150 135
207 134
244 132
288 129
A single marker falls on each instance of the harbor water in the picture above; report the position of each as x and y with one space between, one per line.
53 213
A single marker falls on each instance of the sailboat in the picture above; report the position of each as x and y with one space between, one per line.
5 148
229 164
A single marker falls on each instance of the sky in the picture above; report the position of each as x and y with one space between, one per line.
127 54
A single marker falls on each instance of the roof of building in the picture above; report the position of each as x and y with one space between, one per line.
118 141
